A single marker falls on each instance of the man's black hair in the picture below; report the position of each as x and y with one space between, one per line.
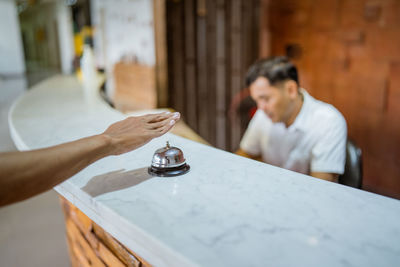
275 69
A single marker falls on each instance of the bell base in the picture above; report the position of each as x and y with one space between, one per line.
168 172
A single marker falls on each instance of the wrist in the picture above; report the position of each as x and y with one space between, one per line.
105 144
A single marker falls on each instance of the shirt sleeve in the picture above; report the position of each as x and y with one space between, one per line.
251 141
329 153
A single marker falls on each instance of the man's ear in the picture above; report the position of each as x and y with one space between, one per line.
292 89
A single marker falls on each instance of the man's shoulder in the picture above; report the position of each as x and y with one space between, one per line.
322 112
327 111
322 118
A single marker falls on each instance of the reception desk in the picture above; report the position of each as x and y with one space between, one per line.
227 211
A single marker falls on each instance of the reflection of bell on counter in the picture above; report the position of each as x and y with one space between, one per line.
168 161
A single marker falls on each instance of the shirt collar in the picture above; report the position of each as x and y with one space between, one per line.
300 121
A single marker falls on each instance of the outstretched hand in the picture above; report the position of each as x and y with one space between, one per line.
134 132
26 173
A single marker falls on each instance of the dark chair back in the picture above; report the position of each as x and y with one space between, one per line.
352 175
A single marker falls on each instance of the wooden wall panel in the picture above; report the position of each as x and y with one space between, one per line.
160 36
235 67
384 50
351 14
220 41
211 9
190 63
350 57
393 105
175 44
323 16
227 129
202 69
221 74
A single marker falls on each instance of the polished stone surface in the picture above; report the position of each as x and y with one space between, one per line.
227 211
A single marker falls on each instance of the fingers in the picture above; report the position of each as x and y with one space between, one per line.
176 116
164 129
150 118
168 126
159 120
164 116
172 120
156 125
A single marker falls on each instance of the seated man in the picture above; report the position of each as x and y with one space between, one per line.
291 129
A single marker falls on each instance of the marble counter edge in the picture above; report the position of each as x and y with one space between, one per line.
128 234
138 241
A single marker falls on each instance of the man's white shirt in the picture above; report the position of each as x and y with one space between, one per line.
315 142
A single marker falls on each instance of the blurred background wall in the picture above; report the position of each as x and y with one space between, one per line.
125 47
348 55
210 46
11 49
347 52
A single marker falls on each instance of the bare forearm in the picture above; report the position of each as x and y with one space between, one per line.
25 174
243 153
331 177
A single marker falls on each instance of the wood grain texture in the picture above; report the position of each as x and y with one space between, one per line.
190 64
90 245
135 86
175 41
236 35
202 74
220 41
211 69
221 76
160 39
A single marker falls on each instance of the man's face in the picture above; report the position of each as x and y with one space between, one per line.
275 102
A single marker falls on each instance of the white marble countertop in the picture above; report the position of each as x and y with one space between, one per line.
227 211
